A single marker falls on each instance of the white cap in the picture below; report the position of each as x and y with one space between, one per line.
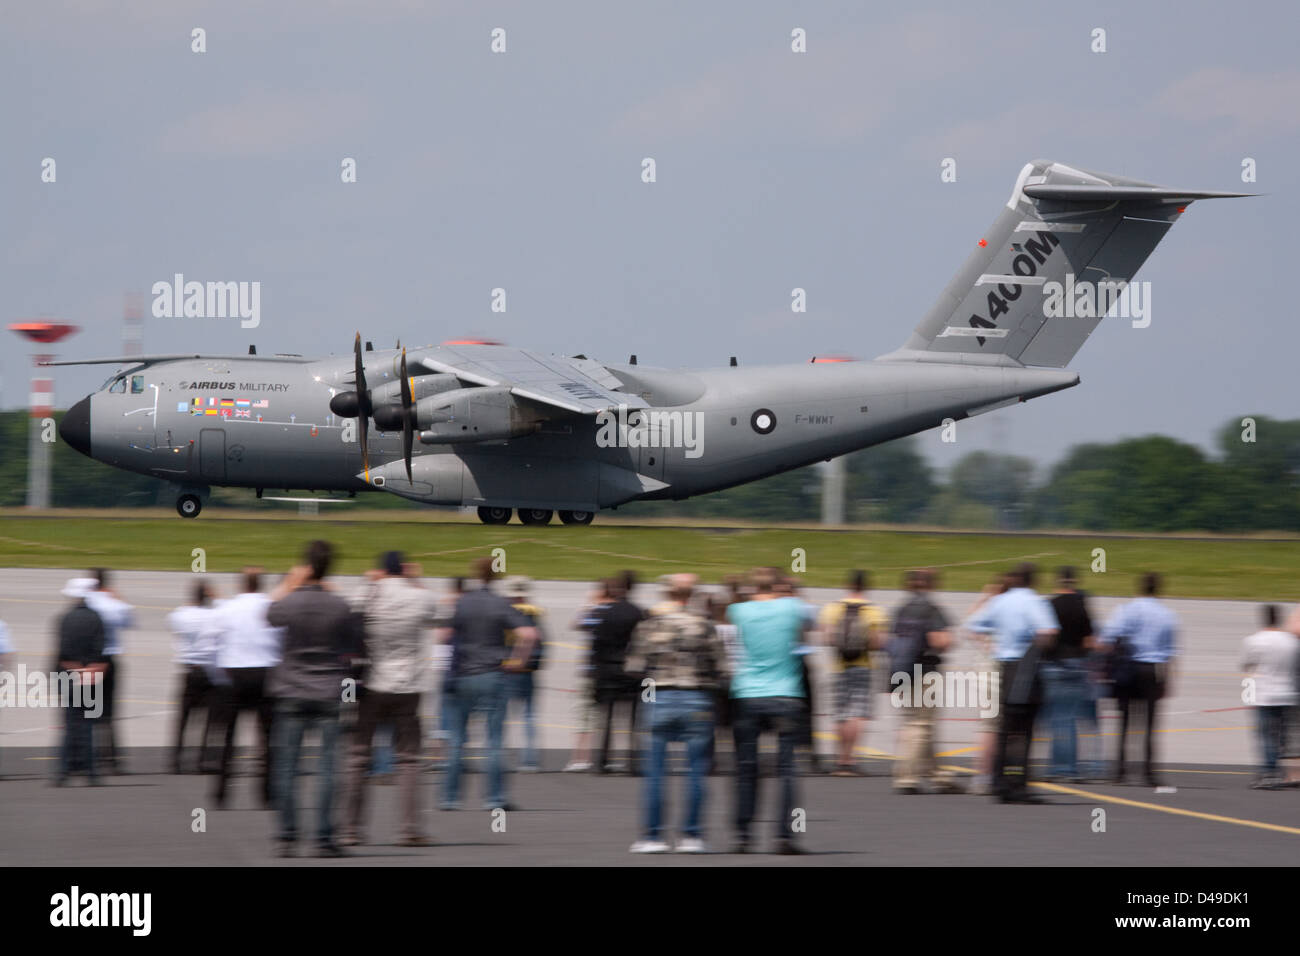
80 588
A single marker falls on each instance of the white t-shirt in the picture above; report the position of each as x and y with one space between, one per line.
1271 657
195 634
244 638
116 615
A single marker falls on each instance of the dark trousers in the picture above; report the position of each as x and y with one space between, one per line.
104 727
608 701
809 712
750 717
1141 693
1020 702
401 712
78 743
197 693
246 691
1272 725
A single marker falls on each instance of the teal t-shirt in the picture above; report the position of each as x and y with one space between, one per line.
769 633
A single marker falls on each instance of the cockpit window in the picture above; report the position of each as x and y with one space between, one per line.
119 385
137 384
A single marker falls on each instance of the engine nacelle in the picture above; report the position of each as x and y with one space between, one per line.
386 399
474 414
422 386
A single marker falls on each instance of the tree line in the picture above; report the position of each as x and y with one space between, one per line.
1151 483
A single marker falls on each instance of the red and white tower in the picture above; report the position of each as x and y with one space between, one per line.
41 400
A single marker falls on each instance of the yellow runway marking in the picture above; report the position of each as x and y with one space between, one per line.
1195 814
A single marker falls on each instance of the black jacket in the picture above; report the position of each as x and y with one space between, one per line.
80 637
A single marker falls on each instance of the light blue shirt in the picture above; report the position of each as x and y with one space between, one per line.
116 615
1150 627
1014 618
769 633
6 646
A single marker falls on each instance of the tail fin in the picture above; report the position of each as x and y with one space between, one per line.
1060 222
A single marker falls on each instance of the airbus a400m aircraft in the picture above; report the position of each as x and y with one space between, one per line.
509 430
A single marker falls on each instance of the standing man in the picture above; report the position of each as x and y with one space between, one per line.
1066 679
80 654
768 689
196 653
248 646
320 634
616 689
440 708
1022 625
684 662
521 683
1272 657
6 649
1149 632
478 635
920 636
397 613
853 627
117 615
584 695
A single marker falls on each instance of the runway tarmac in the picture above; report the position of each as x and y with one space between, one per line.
1206 749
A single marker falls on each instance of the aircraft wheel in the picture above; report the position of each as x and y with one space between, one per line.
535 515
577 517
494 515
189 506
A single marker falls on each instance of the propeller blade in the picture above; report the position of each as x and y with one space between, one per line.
363 404
359 378
408 416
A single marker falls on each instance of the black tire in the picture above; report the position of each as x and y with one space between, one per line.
577 517
535 515
189 506
494 515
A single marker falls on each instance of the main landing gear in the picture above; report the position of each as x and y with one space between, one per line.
533 516
494 515
189 505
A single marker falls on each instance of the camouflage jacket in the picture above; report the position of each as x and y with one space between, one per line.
678 650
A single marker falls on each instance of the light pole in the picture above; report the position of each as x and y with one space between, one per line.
41 401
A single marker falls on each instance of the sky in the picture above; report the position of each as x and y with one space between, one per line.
522 170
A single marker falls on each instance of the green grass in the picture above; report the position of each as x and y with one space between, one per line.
444 545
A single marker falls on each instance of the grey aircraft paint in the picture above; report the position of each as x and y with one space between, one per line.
503 428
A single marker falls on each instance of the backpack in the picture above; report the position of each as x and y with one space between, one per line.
851 640
909 644
1120 668
538 650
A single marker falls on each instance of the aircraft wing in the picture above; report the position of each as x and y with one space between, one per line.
577 385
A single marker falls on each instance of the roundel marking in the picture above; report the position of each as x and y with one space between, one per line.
763 421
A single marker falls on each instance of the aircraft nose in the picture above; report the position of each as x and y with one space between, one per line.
75 427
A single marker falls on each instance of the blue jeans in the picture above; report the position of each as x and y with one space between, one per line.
1272 735
381 753
1068 704
686 716
474 694
753 715
292 718
519 687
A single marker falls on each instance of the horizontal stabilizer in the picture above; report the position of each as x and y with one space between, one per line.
1107 193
